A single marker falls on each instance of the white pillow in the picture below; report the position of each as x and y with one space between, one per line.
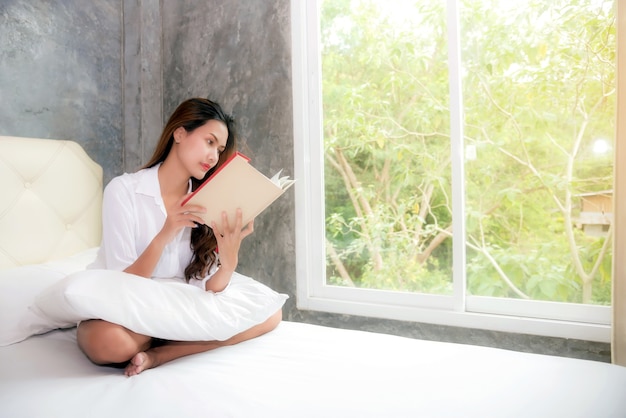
162 309
19 286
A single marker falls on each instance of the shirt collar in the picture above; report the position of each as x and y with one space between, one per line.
149 185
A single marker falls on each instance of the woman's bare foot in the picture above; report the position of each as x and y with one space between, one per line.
140 362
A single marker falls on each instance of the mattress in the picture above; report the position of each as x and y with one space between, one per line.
297 370
304 370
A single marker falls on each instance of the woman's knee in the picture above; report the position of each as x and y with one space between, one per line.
273 321
276 318
106 343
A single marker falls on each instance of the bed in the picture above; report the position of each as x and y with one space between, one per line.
50 229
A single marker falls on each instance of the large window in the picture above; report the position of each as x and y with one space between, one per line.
455 161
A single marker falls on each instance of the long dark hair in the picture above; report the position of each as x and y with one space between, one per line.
192 114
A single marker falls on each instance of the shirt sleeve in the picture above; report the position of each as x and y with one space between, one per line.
118 225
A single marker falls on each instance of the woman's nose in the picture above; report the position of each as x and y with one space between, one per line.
213 155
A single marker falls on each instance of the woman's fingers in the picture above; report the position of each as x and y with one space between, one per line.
188 213
216 231
236 230
192 209
229 239
219 232
188 208
238 220
226 224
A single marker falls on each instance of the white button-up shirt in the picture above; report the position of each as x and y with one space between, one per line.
133 213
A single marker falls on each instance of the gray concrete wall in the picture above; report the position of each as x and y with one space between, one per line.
142 91
60 74
108 73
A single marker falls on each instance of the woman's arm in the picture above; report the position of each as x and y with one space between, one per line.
145 264
119 226
178 217
228 241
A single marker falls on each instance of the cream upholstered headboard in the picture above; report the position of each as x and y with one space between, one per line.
50 200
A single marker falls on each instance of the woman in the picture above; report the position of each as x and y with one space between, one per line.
148 233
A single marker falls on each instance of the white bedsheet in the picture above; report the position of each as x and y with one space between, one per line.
302 370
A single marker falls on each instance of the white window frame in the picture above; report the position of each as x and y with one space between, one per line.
585 322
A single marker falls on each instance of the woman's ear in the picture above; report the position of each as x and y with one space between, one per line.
179 134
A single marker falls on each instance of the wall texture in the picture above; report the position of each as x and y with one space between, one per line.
60 74
142 90
108 73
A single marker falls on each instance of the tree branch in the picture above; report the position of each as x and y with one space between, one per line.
334 257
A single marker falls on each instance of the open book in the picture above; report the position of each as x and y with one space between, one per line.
237 184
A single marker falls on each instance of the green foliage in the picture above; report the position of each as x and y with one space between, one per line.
538 87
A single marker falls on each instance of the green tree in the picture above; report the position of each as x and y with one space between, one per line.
538 90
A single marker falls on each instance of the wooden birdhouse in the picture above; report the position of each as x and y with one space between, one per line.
596 212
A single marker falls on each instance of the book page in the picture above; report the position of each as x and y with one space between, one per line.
283 182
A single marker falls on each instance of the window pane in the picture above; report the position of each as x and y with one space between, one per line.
387 146
539 101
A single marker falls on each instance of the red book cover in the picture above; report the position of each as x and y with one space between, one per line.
237 184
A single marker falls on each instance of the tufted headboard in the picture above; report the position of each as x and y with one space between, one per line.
50 200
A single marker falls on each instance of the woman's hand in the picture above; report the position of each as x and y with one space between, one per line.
229 240
179 217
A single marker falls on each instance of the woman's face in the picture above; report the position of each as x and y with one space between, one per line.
200 149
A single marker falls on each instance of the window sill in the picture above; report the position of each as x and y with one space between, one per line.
486 321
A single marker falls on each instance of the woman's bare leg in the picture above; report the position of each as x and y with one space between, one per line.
172 350
107 343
